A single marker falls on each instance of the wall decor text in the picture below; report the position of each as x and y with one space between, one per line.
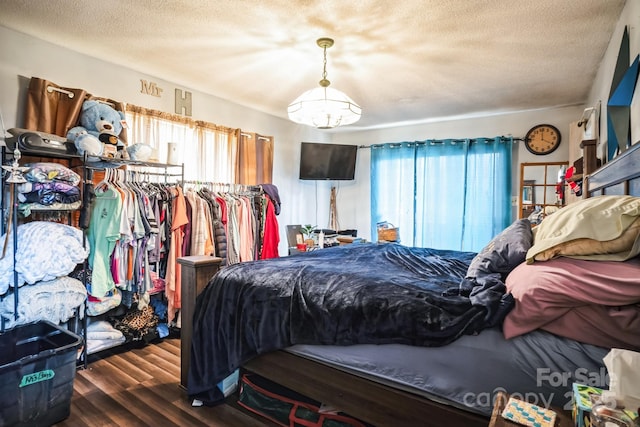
150 88
183 102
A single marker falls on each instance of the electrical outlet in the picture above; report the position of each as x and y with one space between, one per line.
514 201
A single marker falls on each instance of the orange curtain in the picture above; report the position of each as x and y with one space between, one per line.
55 109
255 159
51 108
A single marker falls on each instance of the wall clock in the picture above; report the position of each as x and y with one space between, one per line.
542 139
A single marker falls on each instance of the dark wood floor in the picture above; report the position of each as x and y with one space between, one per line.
140 387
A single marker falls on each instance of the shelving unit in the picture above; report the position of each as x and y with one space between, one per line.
87 168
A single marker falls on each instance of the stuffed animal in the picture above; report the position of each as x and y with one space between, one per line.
85 143
110 147
103 122
139 151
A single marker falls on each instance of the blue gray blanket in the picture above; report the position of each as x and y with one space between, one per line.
354 294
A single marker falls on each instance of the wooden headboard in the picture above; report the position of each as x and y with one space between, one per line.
618 177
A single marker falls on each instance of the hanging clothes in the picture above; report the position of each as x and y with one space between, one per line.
235 221
217 219
199 226
173 277
102 234
271 237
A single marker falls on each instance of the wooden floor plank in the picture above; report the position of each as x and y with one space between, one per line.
139 386
89 403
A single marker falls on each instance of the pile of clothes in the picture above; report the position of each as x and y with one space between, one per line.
49 186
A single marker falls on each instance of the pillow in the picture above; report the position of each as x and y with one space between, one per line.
601 218
627 244
504 252
594 302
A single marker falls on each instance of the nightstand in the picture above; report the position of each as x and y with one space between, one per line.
563 418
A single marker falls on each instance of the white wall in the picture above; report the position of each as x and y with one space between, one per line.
22 57
353 199
630 17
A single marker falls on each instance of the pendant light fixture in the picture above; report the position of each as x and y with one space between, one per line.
324 107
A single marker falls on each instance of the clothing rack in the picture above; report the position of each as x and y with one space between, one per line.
242 218
130 176
138 175
223 187
144 176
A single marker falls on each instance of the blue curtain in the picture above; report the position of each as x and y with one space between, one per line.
444 194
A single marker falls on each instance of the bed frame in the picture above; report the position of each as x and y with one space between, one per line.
618 177
368 400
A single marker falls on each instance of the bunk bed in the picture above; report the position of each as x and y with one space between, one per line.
339 375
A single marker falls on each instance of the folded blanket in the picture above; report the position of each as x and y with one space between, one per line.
46 250
55 300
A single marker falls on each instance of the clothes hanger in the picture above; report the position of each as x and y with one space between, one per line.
105 183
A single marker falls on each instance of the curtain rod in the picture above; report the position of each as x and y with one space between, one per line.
58 89
441 141
248 135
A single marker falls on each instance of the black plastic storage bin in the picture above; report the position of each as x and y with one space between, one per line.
37 369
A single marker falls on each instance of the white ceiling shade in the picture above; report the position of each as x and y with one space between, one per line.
324 107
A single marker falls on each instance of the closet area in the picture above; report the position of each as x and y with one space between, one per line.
94 224
128 234
98 222
91 244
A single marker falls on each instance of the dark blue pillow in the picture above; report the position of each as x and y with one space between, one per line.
504 252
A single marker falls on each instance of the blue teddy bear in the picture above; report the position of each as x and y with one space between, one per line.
97 135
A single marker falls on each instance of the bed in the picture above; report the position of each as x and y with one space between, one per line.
448 374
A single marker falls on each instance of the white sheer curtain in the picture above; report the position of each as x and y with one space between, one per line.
217 151
208 151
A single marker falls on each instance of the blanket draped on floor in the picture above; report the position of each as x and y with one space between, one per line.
354 294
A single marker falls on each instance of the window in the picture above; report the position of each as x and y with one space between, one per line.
443 194
207 151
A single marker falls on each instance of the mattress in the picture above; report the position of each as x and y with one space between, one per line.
469 373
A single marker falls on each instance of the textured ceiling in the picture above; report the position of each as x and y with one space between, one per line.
402 61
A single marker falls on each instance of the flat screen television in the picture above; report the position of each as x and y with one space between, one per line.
327 161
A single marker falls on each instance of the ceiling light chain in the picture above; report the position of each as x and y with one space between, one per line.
324 44
324 107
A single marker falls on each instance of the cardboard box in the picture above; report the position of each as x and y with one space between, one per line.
230 383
